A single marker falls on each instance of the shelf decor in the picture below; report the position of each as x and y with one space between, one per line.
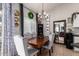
30 15
17 15
16 21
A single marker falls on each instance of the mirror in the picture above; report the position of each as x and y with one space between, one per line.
59 30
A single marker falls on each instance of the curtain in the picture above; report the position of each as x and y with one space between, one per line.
8 48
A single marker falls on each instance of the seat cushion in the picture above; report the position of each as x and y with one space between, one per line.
32 51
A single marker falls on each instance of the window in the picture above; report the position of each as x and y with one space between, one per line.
29 24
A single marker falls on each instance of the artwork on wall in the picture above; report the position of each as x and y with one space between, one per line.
17 17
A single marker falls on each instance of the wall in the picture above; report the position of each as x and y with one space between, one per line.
15 7
62 12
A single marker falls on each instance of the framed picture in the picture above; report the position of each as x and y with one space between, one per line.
74 15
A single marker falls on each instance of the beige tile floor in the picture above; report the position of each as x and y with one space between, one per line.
60 50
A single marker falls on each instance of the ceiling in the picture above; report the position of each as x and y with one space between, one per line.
37 7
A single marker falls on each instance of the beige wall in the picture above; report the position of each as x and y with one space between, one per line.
62 12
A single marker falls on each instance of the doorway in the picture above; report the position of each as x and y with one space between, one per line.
59 28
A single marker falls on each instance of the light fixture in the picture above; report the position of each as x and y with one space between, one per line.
42 15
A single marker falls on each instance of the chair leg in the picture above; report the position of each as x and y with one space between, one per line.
52 49
49 52
40 50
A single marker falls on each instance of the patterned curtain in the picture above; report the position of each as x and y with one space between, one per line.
8 43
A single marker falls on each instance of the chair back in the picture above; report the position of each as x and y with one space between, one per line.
34 35
18 40
51 40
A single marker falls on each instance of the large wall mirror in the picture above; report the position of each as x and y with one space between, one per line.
59 30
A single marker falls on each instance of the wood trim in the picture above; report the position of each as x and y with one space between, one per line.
22 19
37 23
59 21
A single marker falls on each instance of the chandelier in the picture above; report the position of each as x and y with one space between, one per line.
42 15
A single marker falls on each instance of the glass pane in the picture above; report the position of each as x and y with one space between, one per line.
29 24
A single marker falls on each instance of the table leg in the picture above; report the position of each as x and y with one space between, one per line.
40 50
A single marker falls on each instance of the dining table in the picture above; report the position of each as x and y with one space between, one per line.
38 43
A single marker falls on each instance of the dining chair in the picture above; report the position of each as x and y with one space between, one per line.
49 46
18 41
22 48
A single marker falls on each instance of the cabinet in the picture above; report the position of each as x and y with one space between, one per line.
68 40
40 31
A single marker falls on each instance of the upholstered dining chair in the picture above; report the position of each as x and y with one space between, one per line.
49 46
18 41
22 48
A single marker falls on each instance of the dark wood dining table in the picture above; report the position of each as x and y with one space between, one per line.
38 42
